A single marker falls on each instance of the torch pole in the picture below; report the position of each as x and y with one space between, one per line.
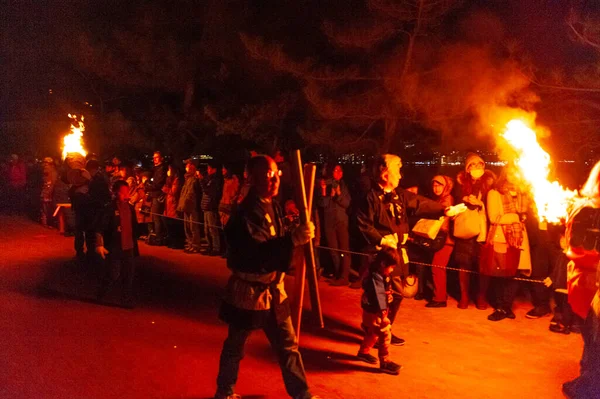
310 171
309 260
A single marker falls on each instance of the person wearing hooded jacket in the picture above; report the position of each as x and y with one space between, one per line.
442 191
473 185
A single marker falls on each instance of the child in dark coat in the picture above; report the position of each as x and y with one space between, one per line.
375 300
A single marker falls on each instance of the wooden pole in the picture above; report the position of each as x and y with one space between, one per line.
310 170
304 204
300 273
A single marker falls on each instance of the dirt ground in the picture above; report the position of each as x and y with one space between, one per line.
56 343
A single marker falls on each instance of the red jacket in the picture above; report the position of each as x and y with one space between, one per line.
582 270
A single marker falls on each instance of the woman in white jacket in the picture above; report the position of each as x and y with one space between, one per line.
507 205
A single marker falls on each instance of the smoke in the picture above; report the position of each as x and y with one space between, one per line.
472 87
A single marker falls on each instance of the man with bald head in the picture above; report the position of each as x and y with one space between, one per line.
260 253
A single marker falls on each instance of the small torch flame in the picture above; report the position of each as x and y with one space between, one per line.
552 200
72 143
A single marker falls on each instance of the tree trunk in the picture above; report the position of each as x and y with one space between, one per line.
411 42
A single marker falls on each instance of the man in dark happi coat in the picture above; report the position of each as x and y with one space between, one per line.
383 221
260 253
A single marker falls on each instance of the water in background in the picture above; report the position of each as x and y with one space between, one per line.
570 175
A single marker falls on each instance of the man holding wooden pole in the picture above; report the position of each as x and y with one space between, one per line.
260 253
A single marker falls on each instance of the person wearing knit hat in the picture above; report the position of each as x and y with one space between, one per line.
441 187
474 163
473 185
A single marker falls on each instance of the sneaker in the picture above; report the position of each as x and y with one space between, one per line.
510 314
367 358
436 304
396 341
560 329
390 368
339 282
498 315
537 312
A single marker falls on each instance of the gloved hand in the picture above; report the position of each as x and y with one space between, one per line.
102 252
390 240
303 233
455 210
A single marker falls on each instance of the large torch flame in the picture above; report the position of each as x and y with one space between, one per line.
551 199
72 143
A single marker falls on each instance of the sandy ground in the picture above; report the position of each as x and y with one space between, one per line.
56 343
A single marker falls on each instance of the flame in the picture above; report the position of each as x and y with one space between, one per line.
72 143
551 199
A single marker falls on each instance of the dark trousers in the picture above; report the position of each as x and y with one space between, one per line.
541 261
338 237
211 230
157 209
505 292
587 385
122 268
466 256
192 229
283 341
46 213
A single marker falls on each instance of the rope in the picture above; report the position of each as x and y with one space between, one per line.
344 251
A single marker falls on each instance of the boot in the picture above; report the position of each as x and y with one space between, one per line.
464 279
484 283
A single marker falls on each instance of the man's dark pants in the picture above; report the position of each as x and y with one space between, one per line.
211 230
283 340
157 209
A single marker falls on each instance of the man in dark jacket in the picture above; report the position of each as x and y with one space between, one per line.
260 254
116 242
154 190
188 205
383 221
211 196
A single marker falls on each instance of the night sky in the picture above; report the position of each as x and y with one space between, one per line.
39 45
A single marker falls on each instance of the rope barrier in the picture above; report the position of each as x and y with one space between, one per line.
344 251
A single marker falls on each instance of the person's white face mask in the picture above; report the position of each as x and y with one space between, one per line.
476 173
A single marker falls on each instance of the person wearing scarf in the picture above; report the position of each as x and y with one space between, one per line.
473 185
506 207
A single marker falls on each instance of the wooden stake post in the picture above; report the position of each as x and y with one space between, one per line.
304 202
